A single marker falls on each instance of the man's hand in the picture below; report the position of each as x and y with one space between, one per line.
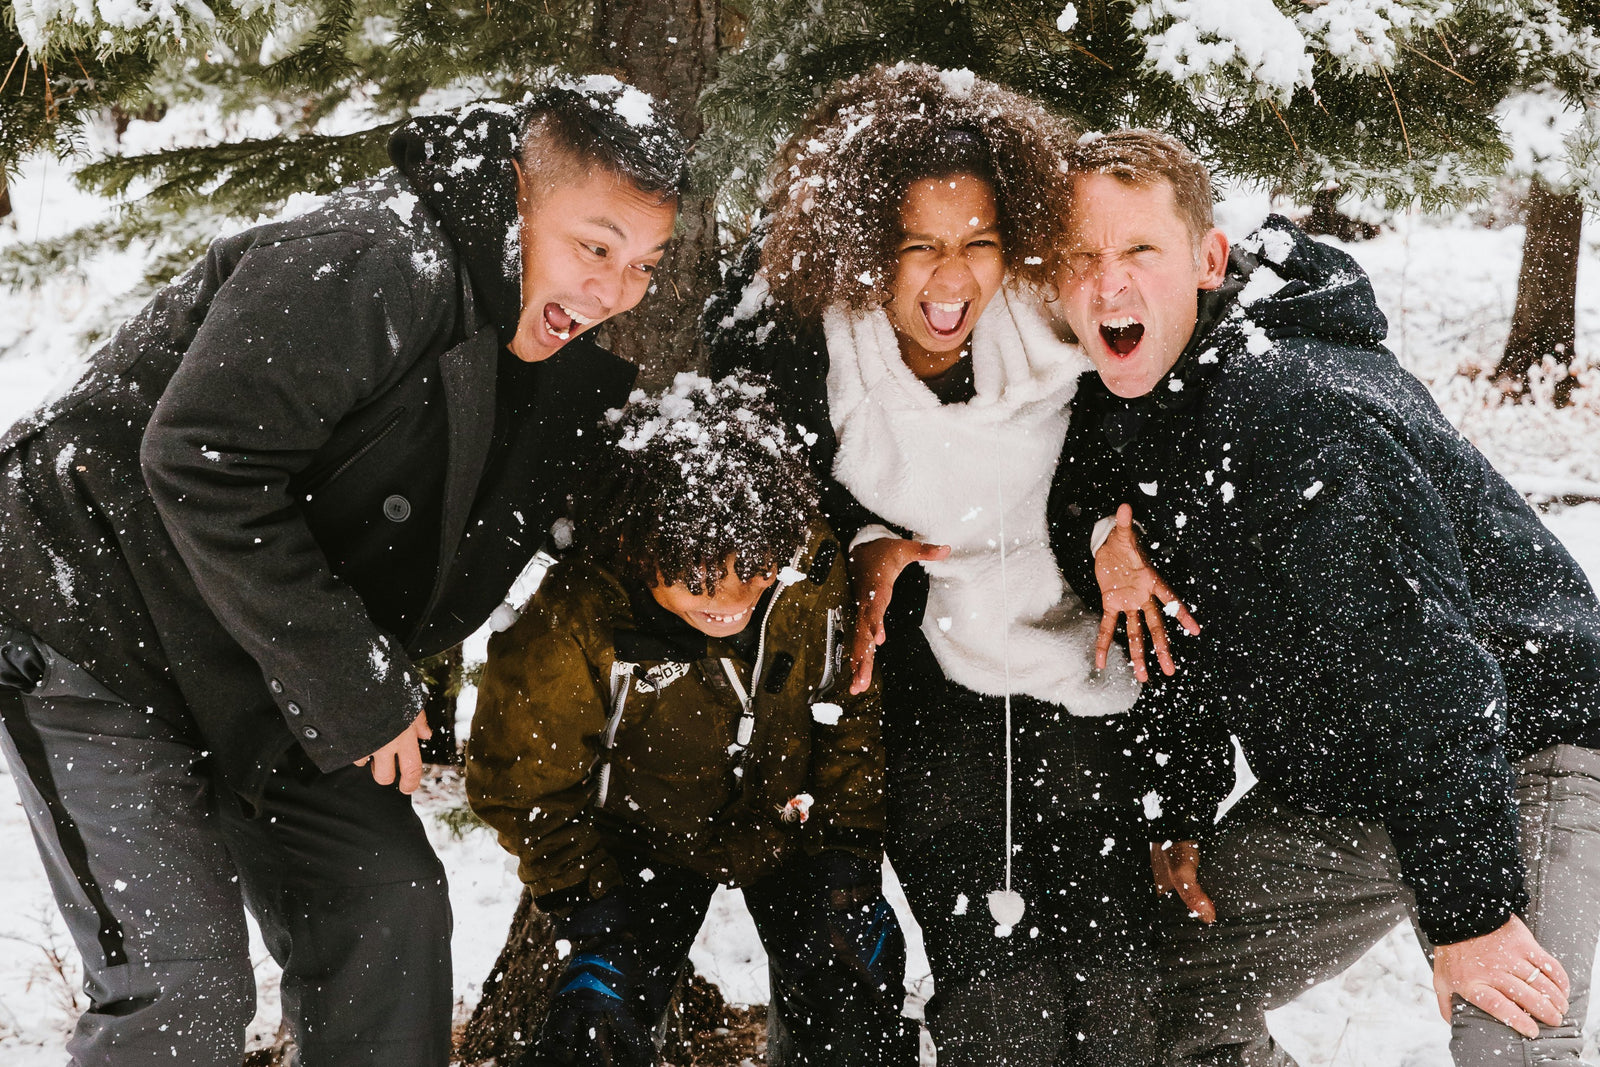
1176 866
874 566
1507 974
1130 588
404 753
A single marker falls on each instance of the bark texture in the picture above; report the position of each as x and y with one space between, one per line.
1547 293
517 991
668 48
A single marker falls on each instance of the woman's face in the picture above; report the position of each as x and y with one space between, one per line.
949 267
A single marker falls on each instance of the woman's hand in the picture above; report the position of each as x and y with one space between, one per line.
1130 588
1507 974
874 567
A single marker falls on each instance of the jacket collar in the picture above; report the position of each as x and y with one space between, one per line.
461 167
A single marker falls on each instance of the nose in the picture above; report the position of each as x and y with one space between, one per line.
607 285
1110 278
952 273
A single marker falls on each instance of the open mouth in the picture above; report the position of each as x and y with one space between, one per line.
1122 335
945 318
562 321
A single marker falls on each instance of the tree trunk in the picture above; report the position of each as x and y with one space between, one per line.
1547 293
517 991
443 679
5 195
668 48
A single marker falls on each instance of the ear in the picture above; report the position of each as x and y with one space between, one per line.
1213 259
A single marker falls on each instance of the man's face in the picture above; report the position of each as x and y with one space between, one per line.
949 267
1129 279
589 246
722 614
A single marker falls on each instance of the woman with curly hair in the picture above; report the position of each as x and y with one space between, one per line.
895 296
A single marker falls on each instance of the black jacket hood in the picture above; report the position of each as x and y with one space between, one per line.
1325 294
461 166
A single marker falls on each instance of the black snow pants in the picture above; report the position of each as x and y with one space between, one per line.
153 864
1072 982
837 985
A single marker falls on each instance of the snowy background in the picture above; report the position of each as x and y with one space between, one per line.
1448 286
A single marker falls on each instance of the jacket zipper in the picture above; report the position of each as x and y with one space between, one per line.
372 442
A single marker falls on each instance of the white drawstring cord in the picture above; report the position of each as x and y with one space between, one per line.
1006 905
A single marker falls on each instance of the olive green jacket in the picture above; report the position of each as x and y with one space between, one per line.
676 786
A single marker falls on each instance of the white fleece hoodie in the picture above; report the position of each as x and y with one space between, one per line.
963 475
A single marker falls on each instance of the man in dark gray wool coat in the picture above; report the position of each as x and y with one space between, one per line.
325 451
1410 661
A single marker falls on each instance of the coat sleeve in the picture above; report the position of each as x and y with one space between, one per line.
1358 554
532 752
847 757
300 333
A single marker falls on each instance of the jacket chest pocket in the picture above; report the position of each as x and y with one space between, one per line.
329 472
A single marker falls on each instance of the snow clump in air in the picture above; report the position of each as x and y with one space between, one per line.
1068 18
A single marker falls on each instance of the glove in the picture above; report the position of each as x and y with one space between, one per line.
589 1022
861 925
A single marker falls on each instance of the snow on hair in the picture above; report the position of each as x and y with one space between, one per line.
840 181
701 472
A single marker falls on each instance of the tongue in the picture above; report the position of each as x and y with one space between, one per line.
943 321
1122 339
559 320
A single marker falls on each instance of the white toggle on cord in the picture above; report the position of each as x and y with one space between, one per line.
1006 904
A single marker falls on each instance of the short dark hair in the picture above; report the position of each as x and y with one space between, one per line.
600 121
1144 157
841 180
704 471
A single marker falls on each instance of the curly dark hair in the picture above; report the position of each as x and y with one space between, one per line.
839 182
702 472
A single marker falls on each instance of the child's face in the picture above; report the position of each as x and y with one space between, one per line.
722 614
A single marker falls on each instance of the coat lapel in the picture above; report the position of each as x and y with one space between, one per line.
468 375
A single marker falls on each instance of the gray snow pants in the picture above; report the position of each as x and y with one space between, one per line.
153 865
1300 897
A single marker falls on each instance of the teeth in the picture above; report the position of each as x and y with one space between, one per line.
576 318
1120 324
714 617
942 305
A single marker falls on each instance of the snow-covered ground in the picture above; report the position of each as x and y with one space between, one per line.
1447 287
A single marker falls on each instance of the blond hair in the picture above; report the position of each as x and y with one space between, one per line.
1144 157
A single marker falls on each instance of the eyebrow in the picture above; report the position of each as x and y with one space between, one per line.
607 224
909 236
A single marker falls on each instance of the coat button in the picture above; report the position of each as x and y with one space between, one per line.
309 733
292 708
397 508
275 685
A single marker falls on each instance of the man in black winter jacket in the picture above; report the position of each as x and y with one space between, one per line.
1402 649
325 451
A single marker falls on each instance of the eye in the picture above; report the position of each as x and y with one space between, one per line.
915 248
597 251
1137 249
645 268
984 242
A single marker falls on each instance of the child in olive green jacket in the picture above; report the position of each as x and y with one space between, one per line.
671 712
